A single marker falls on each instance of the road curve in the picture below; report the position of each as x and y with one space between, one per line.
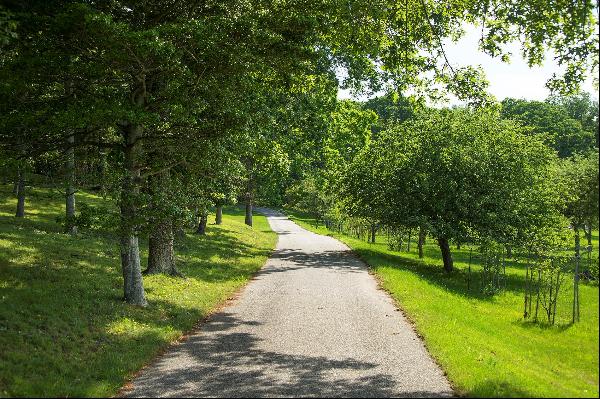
312 323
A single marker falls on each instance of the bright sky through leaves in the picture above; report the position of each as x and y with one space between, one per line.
514 79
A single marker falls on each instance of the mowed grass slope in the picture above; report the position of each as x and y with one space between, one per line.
482 341
64 330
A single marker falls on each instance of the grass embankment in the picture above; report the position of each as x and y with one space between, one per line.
482 341
64 330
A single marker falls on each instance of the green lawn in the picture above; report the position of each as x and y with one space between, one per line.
482 341
64 330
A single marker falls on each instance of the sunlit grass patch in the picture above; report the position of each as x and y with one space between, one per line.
481 341
64 329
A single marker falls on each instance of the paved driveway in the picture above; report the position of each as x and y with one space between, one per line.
312 323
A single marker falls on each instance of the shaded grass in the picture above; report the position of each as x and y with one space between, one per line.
481 341
64 330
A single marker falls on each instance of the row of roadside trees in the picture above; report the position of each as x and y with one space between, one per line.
170 107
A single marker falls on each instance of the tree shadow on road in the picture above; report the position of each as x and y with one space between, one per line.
226 361
294 259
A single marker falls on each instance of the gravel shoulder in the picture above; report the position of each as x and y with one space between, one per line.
311 323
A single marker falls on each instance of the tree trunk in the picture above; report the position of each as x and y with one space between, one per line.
421 241
373 232
576 277
130 251
70 226
219 215
509 252
161 258
133 286
20 193
202 223
248 220
588 234
446 254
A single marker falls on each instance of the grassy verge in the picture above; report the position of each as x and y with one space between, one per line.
64 330
481 341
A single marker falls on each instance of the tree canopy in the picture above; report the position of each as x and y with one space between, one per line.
460 174
136 91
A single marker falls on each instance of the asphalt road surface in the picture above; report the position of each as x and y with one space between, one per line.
312 323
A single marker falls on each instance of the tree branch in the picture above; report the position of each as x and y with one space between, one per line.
439 40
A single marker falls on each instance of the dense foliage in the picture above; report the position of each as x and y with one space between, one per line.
458 174
567 131
171 107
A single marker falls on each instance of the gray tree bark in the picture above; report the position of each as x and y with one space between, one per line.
446 254
20 193
161 255
248 219
130 251
161 252
70 226
219 214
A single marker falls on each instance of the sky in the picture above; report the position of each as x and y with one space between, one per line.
514 79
